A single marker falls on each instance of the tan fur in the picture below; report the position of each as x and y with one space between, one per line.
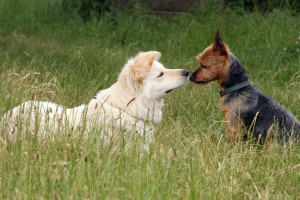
216 65
231 122
142 65
213 65
245 108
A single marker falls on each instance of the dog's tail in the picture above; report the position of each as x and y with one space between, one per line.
297 131
297 126
6 125
3 125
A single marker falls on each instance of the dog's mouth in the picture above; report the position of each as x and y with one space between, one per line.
168 91
198 81
182 84
201 82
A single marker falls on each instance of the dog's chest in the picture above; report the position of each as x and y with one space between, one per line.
225 108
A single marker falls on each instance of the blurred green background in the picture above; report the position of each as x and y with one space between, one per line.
66 51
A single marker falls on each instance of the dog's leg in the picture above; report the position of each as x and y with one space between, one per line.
231 131
230 125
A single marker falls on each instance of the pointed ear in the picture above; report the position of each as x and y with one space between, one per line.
156 54
198 57
144 60
141 66
218 45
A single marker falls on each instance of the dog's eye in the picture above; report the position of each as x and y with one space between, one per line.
160 75
203 66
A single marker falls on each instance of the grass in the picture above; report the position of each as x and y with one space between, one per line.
48 55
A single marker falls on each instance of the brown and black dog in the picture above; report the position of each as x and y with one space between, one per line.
243 105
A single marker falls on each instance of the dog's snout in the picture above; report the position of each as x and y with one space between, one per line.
185 73
191 77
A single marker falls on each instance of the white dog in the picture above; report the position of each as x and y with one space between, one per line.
134 102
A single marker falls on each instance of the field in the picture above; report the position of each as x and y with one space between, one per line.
47 55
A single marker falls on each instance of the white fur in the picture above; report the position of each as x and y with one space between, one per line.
135 101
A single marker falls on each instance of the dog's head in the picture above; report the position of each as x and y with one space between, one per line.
213 62
148 76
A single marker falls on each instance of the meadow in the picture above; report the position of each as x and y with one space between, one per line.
46 54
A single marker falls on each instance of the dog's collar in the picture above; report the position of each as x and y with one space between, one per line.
125 108
235 88
127 103
130 102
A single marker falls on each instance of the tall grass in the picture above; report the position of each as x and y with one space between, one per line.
49 55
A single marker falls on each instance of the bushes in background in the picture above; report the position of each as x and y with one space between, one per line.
88 9
264 5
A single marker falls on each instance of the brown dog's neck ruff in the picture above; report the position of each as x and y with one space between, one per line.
236 78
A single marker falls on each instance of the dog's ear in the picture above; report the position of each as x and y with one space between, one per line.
155 54
142 65
145 59
218 45
198 57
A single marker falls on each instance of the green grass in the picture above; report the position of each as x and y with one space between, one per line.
48 55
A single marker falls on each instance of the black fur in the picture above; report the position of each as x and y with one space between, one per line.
258 111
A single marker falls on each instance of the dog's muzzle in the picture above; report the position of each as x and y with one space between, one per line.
192 77
185 73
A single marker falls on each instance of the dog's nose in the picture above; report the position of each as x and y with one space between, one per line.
185 73
191 77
